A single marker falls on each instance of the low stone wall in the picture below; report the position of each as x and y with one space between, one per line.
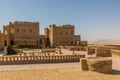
38 54
91 51
48 50
101 52
10 60
77 48
102 65
42 52
115 52
83 63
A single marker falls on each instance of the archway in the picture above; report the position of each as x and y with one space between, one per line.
47 42
12 42
5 43
77 43
71 43
41 43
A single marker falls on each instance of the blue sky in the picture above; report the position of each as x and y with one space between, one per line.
94 19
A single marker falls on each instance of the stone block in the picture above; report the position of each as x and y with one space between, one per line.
91 51
83 63
102 65
103 53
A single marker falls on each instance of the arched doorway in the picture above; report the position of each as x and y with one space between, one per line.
77 43
47 42
71 43
12 42
5 43
41 43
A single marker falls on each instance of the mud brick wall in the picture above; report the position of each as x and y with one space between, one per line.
9 60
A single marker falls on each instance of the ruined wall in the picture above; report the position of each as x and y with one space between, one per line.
83 43
27 33
1 41
102 65
62 35
103 52
91 50
46 32
26 30
22 32
2 36
115 52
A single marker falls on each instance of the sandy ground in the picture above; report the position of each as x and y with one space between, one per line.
60 71
57 74
39 66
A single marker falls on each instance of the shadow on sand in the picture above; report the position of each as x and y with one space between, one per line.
115 72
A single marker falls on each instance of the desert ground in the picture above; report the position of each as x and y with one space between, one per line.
54 71
57 74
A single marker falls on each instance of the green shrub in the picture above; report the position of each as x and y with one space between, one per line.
15 46
25 48
11 50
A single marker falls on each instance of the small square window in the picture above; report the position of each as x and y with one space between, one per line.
24 30
30 30
61 33
71 32
17 30
66 33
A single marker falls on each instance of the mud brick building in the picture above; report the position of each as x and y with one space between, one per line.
26 34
